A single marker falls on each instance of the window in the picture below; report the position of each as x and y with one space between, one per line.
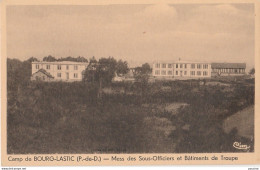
176 72
185 65
176 65
67 67
169 72
37 66
163 65
205 66
169 65
75 75
75 67
157 72
198 66
59 67
192 73
58 74
48 67
163 72
205 73
185 72
180 65
192 65
157 65
198 73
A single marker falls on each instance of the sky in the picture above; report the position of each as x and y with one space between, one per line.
134 32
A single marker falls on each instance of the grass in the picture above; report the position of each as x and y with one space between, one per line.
70 118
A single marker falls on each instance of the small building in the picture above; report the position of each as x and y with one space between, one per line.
118 78
228 69
42 75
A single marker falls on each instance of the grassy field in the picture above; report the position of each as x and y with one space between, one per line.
243 121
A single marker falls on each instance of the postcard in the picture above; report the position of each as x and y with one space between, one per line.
130 82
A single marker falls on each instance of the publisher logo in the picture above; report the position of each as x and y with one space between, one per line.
238 145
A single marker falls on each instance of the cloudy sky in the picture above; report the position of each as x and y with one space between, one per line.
136 33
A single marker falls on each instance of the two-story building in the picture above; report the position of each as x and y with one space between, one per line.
58 71
181 69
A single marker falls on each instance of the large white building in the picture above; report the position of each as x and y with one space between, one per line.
181 69
58 71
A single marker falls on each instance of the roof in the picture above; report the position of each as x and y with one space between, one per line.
228 65
180 62
44 72
60 62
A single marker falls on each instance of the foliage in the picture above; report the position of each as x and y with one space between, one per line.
59 117
122 67
252 71
69 58
49 58
142 73
104 70
32 59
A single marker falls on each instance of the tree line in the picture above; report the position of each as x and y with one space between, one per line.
103 69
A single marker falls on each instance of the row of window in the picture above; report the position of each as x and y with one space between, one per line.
163 72
192 73
157 65
58 67
230 70
199 66
204 73
67 75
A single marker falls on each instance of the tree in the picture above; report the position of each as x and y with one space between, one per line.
90 74
122 67
141 76
81 59
69 58
252 71
101 72
32 59
106 69
142 73
49 58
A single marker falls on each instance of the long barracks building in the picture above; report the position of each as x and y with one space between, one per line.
191 70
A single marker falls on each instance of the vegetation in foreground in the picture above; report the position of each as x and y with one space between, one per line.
61 117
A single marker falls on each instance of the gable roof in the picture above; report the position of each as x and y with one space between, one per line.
228 65
44 72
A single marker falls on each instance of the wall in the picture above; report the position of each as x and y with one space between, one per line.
66 68
182 70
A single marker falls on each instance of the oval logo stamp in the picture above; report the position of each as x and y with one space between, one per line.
238 145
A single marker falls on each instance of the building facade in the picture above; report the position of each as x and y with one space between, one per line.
181 70
186 70
228 69
60 71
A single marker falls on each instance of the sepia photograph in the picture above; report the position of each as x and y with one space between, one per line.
155 78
